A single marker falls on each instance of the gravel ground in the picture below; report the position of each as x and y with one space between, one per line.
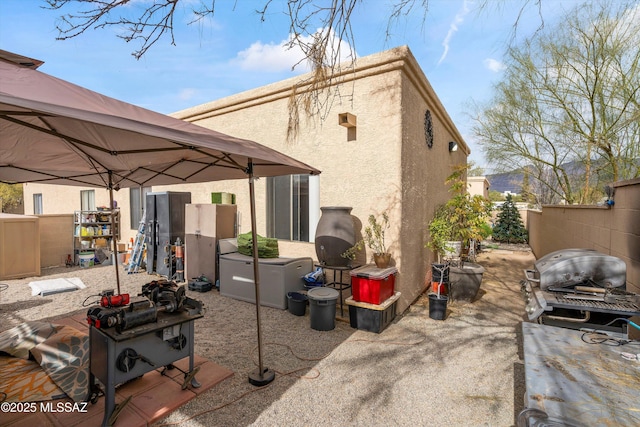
464 371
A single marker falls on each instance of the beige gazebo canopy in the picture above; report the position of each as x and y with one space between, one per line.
56 132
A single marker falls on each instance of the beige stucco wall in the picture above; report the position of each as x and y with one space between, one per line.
478 185
424 171
384 165
19 246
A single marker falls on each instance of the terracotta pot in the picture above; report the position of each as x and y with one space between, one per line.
334 235
382 260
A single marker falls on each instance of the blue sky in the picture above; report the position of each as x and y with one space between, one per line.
459 49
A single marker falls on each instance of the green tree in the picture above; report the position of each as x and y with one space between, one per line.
509 227
10 196
567 108
495 196
462 218
467 213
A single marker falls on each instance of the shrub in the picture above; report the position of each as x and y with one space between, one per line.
509 227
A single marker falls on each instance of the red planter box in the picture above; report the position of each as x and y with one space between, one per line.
373 285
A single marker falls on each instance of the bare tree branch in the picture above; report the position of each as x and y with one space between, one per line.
321 29
567 106
154 21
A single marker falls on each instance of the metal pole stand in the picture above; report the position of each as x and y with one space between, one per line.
260 379
261 376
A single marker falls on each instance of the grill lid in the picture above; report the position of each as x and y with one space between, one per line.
569 267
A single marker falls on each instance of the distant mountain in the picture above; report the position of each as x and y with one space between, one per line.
512 181
509 181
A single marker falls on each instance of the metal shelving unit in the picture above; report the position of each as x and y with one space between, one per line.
95 228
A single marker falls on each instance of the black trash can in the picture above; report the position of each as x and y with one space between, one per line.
322 308
297 303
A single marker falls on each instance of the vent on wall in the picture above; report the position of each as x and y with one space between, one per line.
347 120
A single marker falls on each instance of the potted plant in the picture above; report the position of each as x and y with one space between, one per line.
461 219
467 214
374 238
441 233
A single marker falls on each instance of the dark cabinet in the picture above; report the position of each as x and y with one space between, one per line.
165 220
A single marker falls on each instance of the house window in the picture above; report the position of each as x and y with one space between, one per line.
137 202
37 204
292 207
88 200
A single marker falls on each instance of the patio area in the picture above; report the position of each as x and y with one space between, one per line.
466 370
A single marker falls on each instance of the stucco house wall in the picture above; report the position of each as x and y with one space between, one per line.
424 170
387 166
382 165
64 200
478 185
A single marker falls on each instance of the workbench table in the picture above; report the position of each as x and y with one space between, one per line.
116 358
578 383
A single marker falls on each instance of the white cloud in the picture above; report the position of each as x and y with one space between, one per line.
269 57
272 57
186 94
453 28
493 65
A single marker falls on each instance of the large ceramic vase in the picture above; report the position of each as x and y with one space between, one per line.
334 235
464 282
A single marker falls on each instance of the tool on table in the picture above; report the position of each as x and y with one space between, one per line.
109 299
156 296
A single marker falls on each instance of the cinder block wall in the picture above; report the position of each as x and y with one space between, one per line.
614 231
56 239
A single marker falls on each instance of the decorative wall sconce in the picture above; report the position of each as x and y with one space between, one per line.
428 129
347 120
453 146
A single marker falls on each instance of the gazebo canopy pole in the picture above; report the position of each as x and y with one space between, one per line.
262 376
113 231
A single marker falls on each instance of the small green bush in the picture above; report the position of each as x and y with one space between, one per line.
509 227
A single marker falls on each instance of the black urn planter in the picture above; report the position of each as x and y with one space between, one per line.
464 282
334 235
